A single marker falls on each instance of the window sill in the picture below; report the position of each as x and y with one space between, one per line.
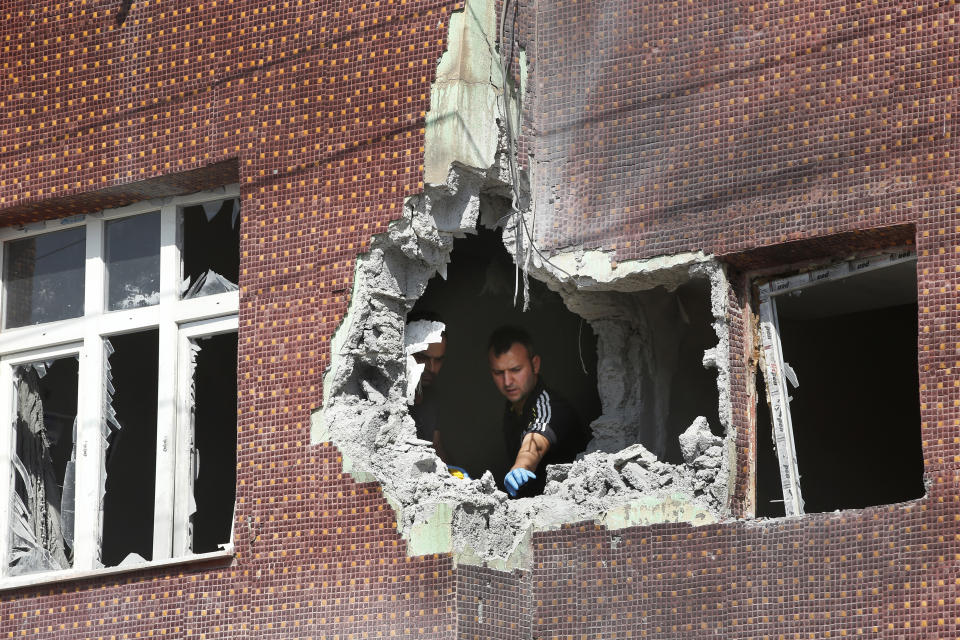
69 575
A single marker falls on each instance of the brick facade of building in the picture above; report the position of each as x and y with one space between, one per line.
762 132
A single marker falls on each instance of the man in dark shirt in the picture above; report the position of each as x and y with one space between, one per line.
539 427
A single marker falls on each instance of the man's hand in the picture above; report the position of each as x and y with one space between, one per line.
516 479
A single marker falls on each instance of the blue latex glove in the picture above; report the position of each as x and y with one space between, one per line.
516 479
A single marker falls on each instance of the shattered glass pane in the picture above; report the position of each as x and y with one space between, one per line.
210 248
42 504
208 284
215 440
133 261
131 461
43 277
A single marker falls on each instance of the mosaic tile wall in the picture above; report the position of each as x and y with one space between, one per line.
671 126
316 109
665 127
766 133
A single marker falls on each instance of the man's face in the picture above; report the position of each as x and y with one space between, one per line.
432 360
514 372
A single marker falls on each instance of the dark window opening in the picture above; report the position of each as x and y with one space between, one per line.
769 492
215 439
44 469
211 248
852 344
131 459
693 387
476 298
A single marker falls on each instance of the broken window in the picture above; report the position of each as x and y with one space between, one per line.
211 235
123 443
841 378
131 456
44 457
214 432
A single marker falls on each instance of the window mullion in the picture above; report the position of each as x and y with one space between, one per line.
184 504
91 443
166 492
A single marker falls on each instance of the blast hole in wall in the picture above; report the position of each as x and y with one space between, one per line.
476 298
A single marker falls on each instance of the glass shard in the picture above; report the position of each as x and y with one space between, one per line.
131 460
44 278
211 248
210 283
42 498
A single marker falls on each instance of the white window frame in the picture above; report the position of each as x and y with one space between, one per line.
178 323
775 367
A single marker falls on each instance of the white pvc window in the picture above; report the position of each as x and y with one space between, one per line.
780 377
82 296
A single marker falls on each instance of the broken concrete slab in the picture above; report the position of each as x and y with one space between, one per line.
366 416
619 482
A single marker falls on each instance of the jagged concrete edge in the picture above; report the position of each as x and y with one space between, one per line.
430 523
597 270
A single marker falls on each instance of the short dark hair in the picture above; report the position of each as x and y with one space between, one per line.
508 335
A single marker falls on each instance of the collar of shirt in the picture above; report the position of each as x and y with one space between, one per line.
528 402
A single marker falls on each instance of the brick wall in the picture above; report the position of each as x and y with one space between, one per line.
765 133
663 126
317 110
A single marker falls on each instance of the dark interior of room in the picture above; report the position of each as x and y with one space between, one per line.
769 490
693 387
215 437
211 240
856 412
476 298
128 503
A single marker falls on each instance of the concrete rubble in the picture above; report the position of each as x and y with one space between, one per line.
620 481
